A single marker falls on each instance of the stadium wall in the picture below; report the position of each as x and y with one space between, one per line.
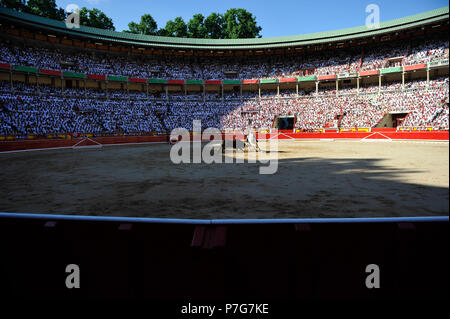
369 135
20 145
38 144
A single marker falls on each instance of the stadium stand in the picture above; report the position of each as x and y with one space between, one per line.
48 112
51 87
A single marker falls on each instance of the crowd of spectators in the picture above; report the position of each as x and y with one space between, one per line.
31 109
325 62
22 115
404 53
26 113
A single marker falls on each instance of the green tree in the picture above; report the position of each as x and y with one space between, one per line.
162 32
18 5
214 25
239 23
45 8
95 18
196 27
147 26
176 28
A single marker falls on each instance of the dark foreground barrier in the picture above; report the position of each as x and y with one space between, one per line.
219 259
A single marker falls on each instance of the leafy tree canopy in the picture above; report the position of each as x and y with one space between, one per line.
176 28
48 9
239 23
18 5
196 26
214 25
233 24
147 26
95 18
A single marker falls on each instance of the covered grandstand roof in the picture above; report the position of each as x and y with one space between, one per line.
429 17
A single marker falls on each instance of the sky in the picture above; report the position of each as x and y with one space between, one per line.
277 18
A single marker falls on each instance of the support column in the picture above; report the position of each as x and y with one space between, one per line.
259 90
337 87
379 83
128 90
278 89
167 93
241 91
85 88
106 88
223 98
317 87
296 87
428 77
146 86
204 93
403 80
357 85
37 83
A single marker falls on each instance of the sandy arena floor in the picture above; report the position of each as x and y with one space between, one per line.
314 179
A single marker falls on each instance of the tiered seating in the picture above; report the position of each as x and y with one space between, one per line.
25 112
207 68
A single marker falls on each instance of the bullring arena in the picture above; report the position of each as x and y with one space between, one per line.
315 179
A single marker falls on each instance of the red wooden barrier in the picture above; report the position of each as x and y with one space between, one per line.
327 77
50 72
175 81
137 80
415 67
288 80
96 77
367 73
55 143
217 82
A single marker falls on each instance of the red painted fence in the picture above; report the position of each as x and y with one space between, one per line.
96 77
380 134
50 72
437 135
368 73
137 80
55 143
414 67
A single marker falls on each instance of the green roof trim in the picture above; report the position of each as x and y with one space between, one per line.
268 81
197 82
307 78
25 69
157 81
231 81
74 75
117 78
392 70
50 25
